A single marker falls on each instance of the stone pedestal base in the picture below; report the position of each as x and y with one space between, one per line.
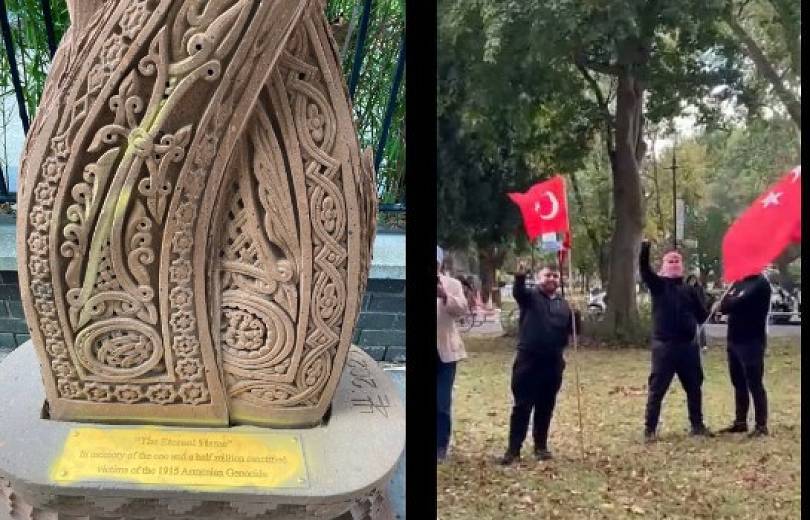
349 460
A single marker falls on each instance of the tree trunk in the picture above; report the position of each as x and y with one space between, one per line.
3 189
489 259
604 265
622 315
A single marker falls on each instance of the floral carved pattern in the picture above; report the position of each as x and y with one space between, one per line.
133 174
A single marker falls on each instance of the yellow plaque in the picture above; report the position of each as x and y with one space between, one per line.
184 458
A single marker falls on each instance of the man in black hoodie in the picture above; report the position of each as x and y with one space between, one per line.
747 304
544 328
676 312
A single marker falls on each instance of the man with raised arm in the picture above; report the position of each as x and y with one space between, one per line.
676 312
544 330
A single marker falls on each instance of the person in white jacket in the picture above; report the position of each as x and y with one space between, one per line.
450 304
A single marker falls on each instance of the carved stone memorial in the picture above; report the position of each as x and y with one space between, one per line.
194 238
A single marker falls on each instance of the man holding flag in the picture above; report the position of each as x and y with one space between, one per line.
546 323
747 304
758 236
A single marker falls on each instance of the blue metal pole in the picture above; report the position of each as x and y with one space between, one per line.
5 27
392 101
50 34
358 52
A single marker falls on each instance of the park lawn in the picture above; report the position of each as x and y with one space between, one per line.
677 477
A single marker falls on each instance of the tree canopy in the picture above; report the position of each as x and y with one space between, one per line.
379 62
530 88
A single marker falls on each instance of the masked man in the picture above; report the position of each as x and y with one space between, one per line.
676 312
450 304
544 329
747 304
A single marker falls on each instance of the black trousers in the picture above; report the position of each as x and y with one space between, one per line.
536 379
669 359
746 366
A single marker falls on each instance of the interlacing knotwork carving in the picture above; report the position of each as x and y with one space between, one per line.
295 128
148 115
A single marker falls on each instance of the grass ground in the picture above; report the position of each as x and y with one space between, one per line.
678 477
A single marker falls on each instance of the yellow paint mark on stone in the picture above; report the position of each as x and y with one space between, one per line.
181 458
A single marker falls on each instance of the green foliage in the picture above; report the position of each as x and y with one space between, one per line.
775 27
591 207
508 80
540 78
676 48
385 31
31 45
719 174
503 124
743 163
386 27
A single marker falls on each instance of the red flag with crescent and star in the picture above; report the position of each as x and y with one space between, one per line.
544 207
765 229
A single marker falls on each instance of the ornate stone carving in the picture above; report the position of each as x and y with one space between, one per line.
196 216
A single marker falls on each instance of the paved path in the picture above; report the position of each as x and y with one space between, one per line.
713 330
718 330
491 327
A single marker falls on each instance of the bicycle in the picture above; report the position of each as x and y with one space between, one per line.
466 322
476 317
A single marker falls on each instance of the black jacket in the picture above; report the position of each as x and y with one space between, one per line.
677 308
545 322
747 304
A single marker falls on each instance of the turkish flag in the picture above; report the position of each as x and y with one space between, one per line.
544 207
767 227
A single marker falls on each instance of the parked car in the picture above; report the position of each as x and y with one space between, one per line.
596 301
785 307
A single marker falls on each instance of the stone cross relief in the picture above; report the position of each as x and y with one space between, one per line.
195 215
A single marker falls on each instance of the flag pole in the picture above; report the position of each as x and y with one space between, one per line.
711 311
718 303
576 367
574 336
